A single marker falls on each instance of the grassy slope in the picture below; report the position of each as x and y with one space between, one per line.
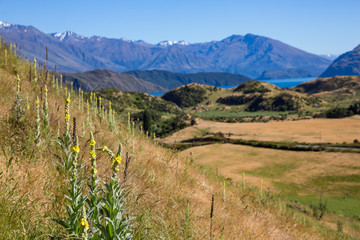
32 189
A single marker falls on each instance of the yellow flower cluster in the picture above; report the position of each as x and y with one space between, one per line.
117 159
92 142
67 116
75 149
92 153
83 223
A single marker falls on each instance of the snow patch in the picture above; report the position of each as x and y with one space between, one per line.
172 43
4 24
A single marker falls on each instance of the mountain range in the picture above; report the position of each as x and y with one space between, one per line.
347 64
249 55
147 81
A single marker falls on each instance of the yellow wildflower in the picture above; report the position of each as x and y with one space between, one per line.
95 170
67 116
117 159
45 90
104 148
117 169
92 143
83 223
28 107
68 100
37 101
18 79
75 149
18 86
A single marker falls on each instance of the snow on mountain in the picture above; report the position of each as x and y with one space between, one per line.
4 24
171 43
67 34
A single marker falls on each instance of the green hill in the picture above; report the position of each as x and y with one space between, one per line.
261 96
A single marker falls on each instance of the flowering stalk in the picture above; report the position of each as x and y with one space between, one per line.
79 99
75 223
116 224
35 71
94 201
88 118
67 115
84 225
128 122
115 158
37 121
46 109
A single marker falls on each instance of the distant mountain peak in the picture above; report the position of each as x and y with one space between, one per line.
172 43
4 24
65 35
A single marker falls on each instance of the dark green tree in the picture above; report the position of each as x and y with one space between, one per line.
147 125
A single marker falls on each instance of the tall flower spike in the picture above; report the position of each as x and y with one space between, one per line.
37 121
93 156
46 108
67 115
84 225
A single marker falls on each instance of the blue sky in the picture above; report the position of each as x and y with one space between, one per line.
316 26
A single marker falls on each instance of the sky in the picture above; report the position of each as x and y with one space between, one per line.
316 26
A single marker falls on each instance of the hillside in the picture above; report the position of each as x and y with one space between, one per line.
347 64
170 80
101 78
338 90
261 96
249 55
189 95
54 145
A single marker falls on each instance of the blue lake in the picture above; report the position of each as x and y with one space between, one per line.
281 83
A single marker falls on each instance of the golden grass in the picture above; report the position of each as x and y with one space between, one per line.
310 131
231 160
159 189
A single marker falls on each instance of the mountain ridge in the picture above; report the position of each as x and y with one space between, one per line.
347 64
248 55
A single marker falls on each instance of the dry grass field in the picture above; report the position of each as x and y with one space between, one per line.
296 176
311 131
